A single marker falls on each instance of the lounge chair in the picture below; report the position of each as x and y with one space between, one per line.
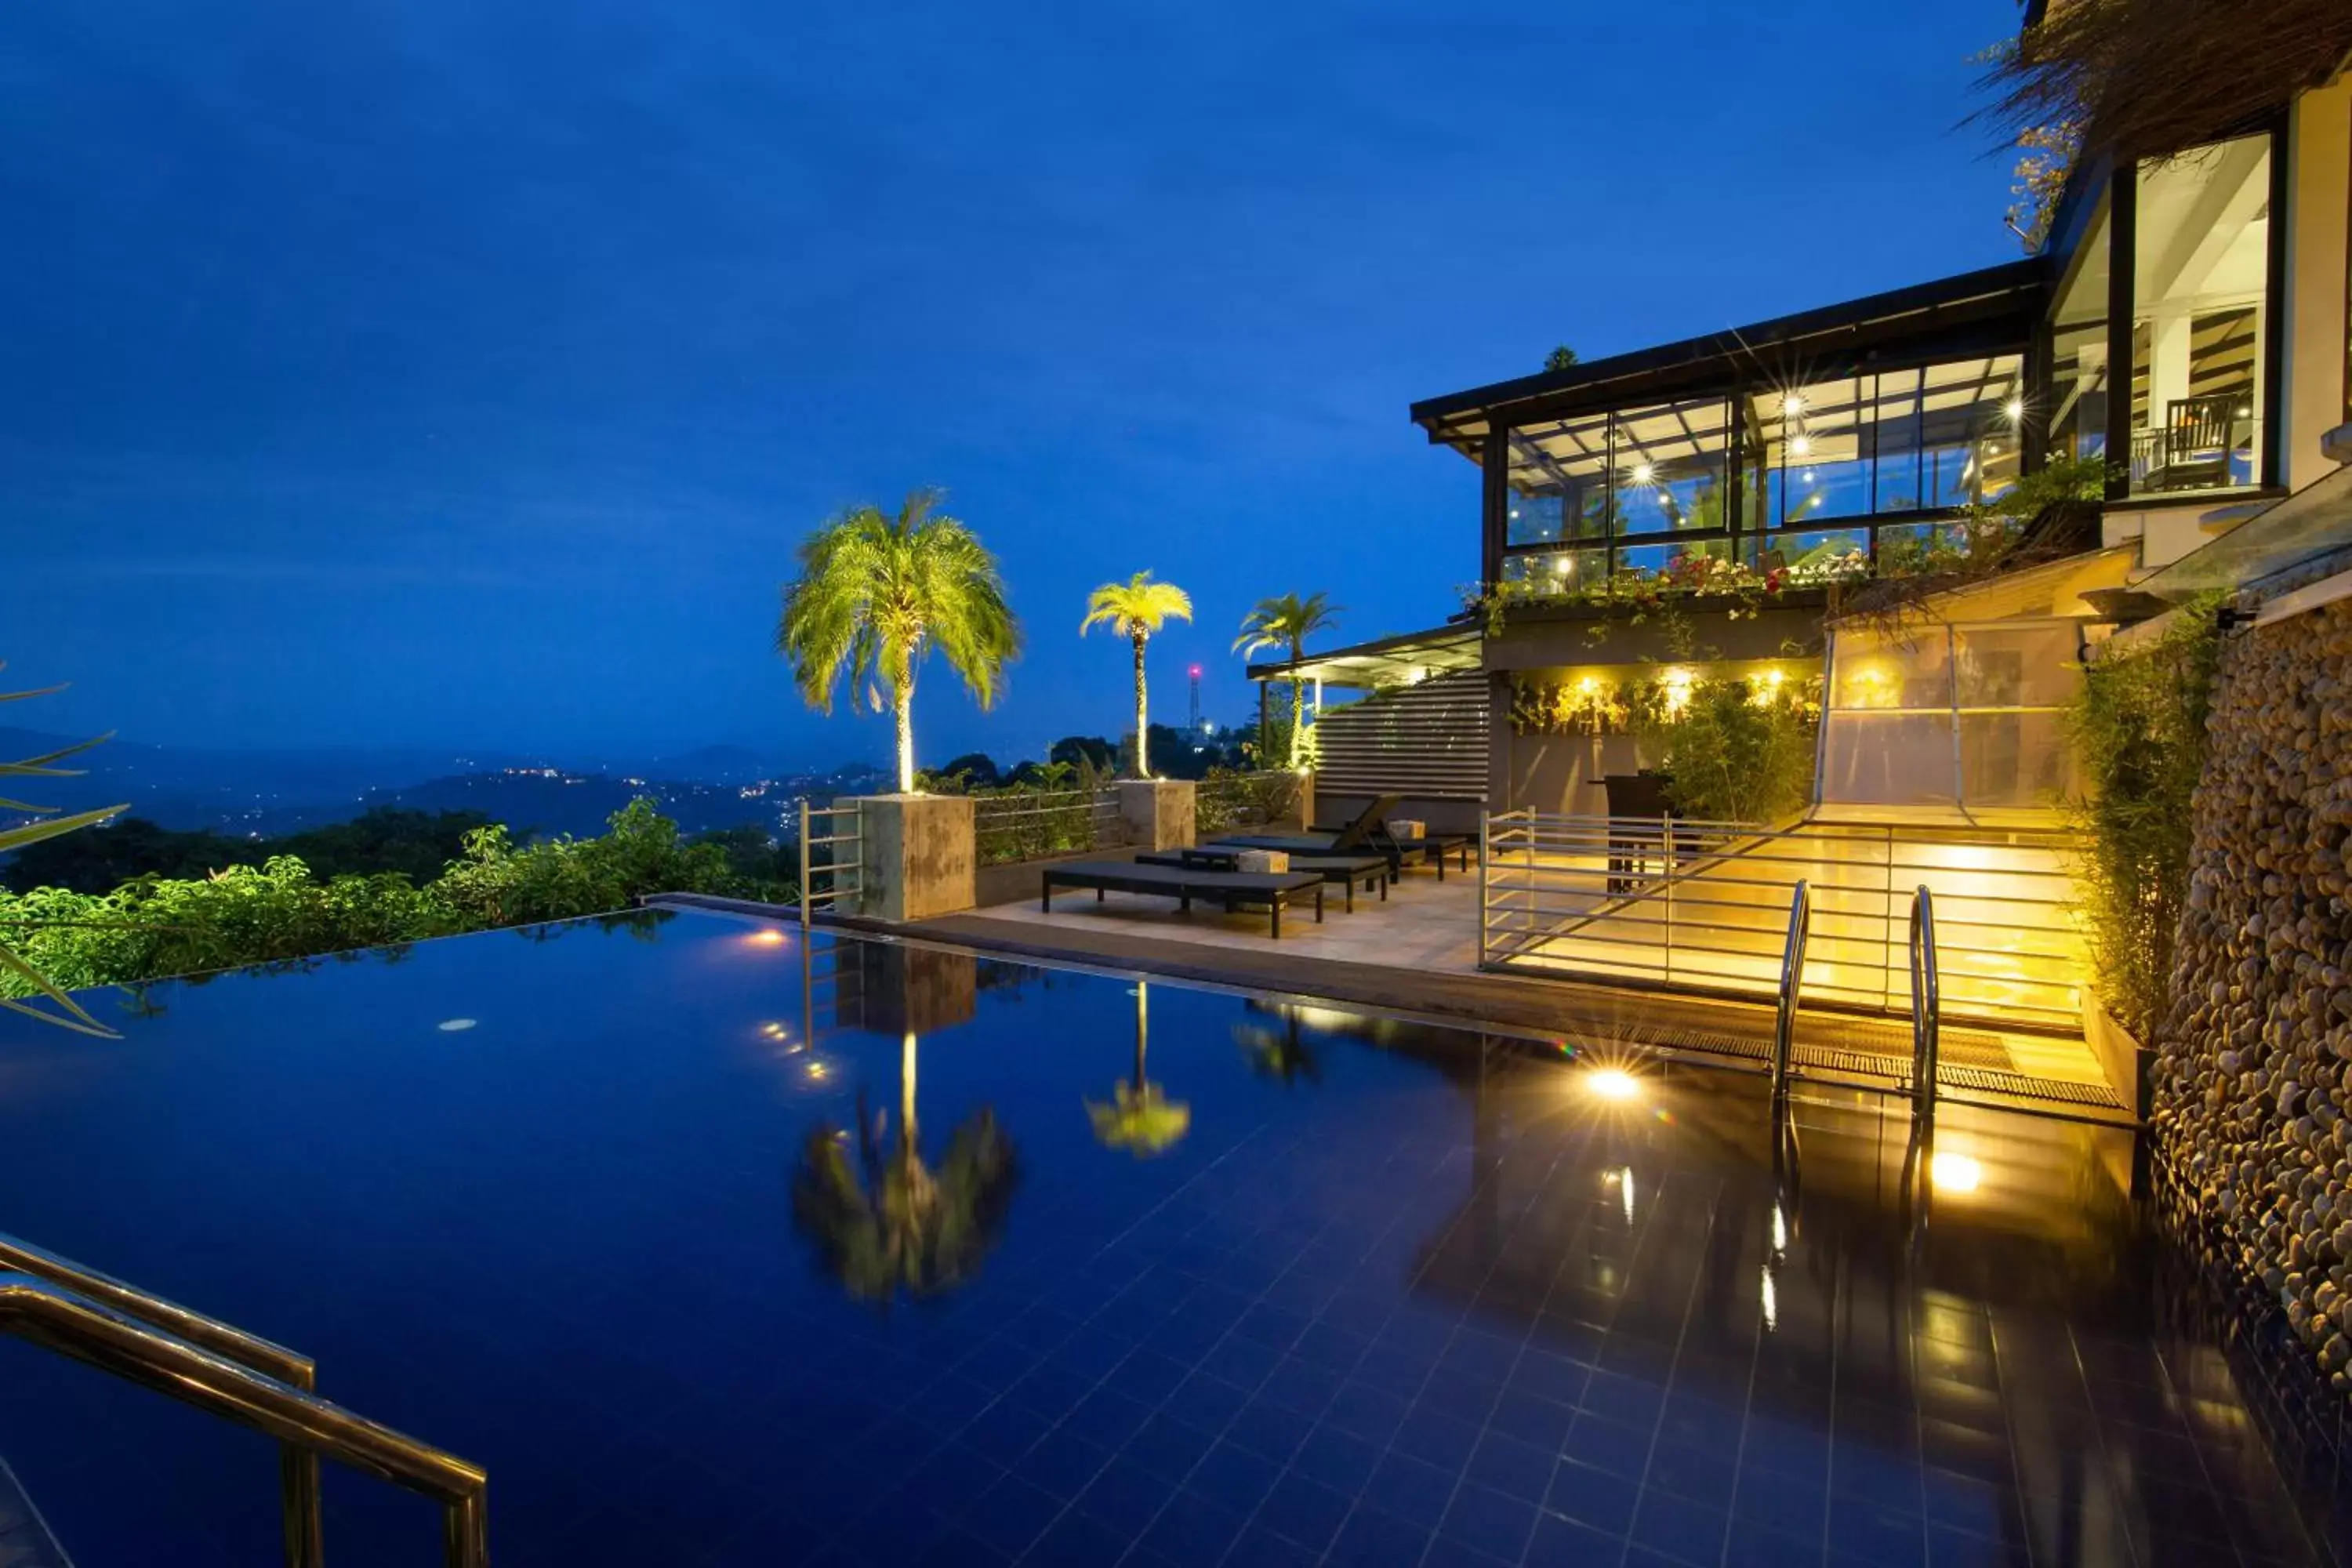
1231 889
1343 870
1367 833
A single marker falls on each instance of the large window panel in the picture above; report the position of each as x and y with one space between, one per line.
2200 276
1559 481
1970 419
1671 467
1816 450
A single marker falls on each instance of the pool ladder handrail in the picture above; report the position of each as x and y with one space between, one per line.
57 1304
1792 980
1926 1006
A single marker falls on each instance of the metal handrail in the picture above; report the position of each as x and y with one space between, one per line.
91 1331
1927 1004
298 1466
1792 980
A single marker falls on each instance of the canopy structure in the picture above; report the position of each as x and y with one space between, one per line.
1401 660
2314 520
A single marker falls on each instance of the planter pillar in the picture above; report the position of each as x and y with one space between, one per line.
1158 813
1305 798
918 856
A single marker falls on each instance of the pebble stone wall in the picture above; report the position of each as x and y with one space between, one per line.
2251 1083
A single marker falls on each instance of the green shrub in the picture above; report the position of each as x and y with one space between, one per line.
2138 724
154 927
1734 751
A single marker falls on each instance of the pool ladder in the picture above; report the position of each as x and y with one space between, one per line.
57 1304
1927 1000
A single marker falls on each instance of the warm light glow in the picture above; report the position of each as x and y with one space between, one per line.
817 1068
1613 1083
1771 1302
2014 408
1801 444
1677 685
770 938
1625 1192
1793 403
1779 1231
1953 1172
1767 688
1643 473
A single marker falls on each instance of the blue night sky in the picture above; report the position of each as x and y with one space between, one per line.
437 373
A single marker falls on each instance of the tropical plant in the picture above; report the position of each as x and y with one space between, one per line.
152 927
1140 1118
20 979
1733 750
876 594
1136 610
1561 358
883 1221
2137 727
1281 1054
1286 623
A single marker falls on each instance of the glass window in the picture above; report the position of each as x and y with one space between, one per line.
2201 271
1559 481
1670 463
1816 450
1813 558
1658 560
1556 571
2078 392
1968 431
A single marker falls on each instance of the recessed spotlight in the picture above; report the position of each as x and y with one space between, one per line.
1613 1083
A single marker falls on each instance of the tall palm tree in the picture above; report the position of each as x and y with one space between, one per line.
886 1221
1287 622
876 594
1136 609
1140 1118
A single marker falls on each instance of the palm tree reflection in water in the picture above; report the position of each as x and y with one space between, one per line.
1141 1119
1279 1053
883 1222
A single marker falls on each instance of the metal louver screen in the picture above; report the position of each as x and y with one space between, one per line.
1427 741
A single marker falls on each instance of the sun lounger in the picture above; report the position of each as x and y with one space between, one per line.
1430 849
1233 891
1345 870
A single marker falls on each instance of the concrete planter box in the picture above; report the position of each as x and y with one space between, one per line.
2126 1063
919 856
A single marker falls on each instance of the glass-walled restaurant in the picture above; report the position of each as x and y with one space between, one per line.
1851 440
1815 478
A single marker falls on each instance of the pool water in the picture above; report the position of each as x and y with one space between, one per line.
622 1211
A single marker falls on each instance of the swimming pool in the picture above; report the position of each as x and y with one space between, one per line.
1177 1276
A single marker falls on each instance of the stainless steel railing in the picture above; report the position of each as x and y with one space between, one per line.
824 828
1702 907
1792 980
1926 1006
1030 824
93 1318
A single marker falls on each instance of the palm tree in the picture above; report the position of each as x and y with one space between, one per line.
876 594
1288 622
1136 609
887 1222
1141 1119
17 973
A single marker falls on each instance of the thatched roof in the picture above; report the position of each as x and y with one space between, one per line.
2145 78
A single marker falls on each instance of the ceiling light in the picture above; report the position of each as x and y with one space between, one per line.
1643 473
1613 1083
1793 403
1801 444
2014 408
